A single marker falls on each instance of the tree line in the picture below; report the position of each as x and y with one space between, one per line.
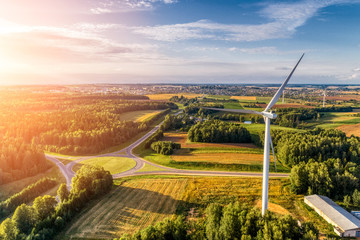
233 221
26 195
45 218
216 131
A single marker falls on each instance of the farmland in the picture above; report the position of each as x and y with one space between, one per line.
211 156
139 116
350 129
131 206
138 202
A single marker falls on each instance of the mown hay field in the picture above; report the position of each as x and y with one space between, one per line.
133 205
140 201
139 116
168 96
350 129
248 98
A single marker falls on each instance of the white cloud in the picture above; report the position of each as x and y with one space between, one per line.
258 50
284 19
110 6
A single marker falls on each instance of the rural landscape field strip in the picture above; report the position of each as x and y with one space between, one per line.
129 207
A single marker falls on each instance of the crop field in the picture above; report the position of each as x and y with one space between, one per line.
165 97
112 164
350 129
249 98
342 98
131 206
139 116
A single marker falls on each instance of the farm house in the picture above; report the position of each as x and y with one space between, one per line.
345 224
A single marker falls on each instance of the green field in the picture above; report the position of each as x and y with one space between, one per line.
112 164
334 119
233 105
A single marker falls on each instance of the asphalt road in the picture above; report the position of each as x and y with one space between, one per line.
67 170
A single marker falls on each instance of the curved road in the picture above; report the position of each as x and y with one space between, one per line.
140 162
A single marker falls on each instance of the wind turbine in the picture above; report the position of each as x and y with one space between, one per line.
267 117
324 97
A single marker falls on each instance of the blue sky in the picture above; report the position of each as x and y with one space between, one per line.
179 41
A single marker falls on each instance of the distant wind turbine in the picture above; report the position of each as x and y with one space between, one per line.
267 116
324 98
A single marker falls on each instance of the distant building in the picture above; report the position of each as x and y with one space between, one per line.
247 122
345 224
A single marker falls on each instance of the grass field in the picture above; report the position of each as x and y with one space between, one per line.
139 116
129 207
233 105
112 164
337 120
140 201
211 156
168 96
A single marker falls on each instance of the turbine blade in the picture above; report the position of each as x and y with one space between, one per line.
234 110
281 89
272 148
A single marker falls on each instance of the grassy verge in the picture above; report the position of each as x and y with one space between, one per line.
150 168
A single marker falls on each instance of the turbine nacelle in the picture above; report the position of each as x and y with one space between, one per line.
269 115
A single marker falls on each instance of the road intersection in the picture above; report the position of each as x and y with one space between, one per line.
67 170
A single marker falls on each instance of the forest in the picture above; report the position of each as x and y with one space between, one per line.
19 159
33 122
324 162
216 131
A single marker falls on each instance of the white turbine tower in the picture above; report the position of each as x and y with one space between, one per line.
267 116
324 98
